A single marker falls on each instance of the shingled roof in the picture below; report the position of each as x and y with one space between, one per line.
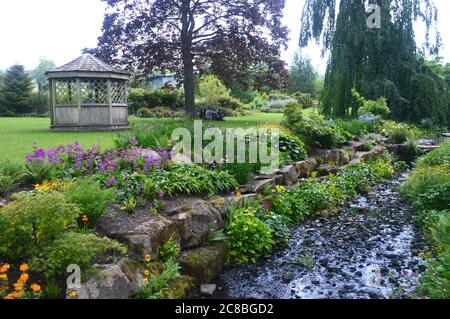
88 63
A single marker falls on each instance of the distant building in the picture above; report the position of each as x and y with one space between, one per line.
158 81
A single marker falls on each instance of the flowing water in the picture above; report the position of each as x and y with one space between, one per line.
368 250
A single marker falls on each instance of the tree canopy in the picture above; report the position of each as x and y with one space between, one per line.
302 75
228 36
39 73
383 61
16 90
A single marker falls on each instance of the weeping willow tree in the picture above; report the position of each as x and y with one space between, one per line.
384 61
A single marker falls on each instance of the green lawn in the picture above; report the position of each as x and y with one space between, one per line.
17 135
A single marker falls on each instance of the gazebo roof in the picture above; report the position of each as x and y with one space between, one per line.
86 65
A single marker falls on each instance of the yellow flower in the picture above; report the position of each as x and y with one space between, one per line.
23 278
146 280
146 272
23 267
148 258
72 294
5 268
3 276
238 194
36 288
85 218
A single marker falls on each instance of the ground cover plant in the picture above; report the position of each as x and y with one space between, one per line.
428 189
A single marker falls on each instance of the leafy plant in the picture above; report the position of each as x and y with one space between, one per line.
247 236
87 195
279 227
38 172
11 175
73 248
158 283
33 221
168 250
439 156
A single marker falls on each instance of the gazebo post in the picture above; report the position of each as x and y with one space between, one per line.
51 101
108 84
78 83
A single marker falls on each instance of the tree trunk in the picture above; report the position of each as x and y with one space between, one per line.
189 86
186 51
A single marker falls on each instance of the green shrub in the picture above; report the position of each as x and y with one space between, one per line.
313 129
242 172
11 175
146 98
427 124
248 238
168 250
38 172
304 99
427 187
294 147
435 283
378 108
439 156
279 227
144 112
158 283
289 205
73 249
212 91
398 133
190 179
87 195
34 220
229 103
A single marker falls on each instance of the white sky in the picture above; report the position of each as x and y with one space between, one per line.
60 29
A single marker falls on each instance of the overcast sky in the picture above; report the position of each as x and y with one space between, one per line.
60 29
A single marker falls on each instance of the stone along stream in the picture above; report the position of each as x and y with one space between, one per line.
368 250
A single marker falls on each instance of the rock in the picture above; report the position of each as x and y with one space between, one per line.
337 156
289 173
117 281
203 263
220 204
279 179
325 170
357 146
208 290
142 231
193 221
179 288
260 186
305 168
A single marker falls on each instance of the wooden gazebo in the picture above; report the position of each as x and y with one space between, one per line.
88 94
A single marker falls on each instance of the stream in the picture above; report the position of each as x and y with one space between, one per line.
369 250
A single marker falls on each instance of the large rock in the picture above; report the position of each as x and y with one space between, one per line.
305 168
261 185
203 263
117 281
290 174
142 231
179 288
193 221
336 157
325 170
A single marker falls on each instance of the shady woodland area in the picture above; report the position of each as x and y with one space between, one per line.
359 207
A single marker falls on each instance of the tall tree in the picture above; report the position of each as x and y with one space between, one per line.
16 90
377 61
302 75
39 73
182 35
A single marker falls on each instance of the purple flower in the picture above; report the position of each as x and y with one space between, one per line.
160 194
111 182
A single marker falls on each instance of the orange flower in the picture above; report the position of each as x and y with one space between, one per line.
85 218
24 267
18 286
23 278
36 288
5 268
